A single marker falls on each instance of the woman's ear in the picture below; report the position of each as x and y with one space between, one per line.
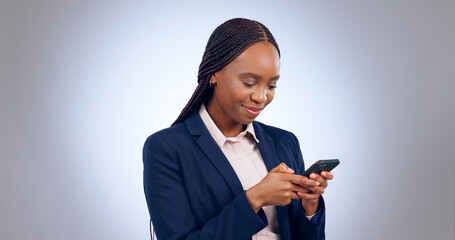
213 78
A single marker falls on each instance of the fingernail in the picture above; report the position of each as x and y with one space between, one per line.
324 174
318 183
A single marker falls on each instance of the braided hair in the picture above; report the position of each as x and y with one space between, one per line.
226 43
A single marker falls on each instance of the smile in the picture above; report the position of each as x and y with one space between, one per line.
253 111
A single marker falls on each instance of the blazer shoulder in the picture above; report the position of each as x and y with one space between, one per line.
177 131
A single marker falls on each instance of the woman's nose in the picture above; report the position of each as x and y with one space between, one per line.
260 95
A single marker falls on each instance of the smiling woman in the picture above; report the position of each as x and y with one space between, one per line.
219 174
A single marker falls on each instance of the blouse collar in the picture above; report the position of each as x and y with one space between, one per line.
215 132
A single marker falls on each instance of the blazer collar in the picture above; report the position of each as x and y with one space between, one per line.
213 152
266 147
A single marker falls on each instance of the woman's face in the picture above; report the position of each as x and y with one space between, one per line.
245 86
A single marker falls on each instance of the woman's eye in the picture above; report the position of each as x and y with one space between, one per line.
272 86
248 84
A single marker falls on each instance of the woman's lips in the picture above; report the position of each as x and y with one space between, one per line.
253 111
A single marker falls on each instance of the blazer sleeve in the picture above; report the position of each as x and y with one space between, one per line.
301 227
169 206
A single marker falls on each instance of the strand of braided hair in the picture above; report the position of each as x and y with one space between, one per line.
226 43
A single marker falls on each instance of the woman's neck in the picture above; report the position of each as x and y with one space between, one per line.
228 127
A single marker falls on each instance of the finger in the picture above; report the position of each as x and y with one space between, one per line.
295 195
321 180
297 188
316 177
301 194
282 168
309 196
302 181
317 189
279 168
304 191
327 175
288 198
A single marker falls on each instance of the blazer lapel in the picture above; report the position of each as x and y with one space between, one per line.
266 147
213 152
268 152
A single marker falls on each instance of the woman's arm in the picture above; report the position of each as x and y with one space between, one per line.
169 206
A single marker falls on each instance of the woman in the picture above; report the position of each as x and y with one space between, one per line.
218 174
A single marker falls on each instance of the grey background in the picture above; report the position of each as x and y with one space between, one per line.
83 83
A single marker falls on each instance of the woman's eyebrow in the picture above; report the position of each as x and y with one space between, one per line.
249 74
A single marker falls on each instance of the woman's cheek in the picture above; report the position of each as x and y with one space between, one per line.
270 96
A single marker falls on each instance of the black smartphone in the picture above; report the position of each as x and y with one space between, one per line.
321 165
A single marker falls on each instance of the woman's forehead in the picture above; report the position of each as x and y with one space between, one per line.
258 57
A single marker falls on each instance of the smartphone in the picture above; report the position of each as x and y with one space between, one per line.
321 165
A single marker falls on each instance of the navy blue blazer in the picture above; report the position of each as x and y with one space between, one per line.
192 191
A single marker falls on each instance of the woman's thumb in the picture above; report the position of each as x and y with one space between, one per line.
282 168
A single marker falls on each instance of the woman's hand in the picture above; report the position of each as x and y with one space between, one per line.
279 187
310 198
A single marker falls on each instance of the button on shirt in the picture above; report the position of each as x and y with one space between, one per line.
246 160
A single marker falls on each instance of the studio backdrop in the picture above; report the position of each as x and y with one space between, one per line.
83 83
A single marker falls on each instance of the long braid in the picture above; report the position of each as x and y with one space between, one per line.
226 43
